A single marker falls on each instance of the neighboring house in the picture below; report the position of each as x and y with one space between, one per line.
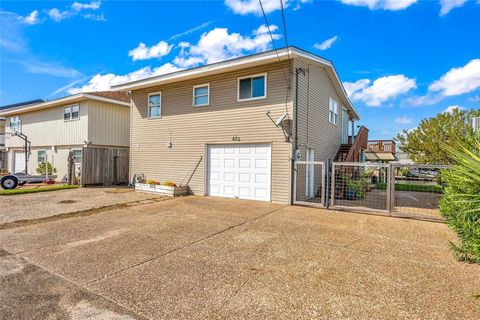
476 123
3 152
209 126
383 151
56 127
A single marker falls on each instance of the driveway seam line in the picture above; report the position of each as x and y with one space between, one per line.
114 274
80 286
76 214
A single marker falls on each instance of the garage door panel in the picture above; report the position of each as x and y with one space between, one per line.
240 171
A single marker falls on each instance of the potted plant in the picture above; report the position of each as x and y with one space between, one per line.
167 188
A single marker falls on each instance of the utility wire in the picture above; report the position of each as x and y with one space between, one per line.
273 41
285 28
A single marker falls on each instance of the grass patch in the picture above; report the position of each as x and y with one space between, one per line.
412 187
41 189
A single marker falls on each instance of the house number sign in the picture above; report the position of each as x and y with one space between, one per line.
236 138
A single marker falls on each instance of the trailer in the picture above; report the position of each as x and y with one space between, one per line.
12 181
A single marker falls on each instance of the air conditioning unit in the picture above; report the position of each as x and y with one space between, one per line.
476 123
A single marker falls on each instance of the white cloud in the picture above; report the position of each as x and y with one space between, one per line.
325 44
93 5
57 15
403 120
50 68
381 90
75 8
392 5
181 34
450 109
215 45
218 44
448 5
104 82
454 82
31 19
352 87
142 52
458 80
244 7
94 17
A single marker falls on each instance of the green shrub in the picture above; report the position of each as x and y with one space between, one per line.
41 189
461 203
412 187
42 168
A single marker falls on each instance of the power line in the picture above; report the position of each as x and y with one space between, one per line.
273 41
284 25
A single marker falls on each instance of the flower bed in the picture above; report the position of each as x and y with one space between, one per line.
169 191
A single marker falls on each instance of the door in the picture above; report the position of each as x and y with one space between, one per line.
19 162
240 171
310 175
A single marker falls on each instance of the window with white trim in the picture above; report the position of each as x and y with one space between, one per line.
201 95
333 111
77 156
41 156
252 87
155 105
71 113
15 124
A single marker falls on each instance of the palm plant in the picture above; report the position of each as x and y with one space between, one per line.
461 202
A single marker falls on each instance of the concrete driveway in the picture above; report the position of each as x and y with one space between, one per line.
204 257
38 206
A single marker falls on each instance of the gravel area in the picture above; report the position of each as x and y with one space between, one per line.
46 204
210 258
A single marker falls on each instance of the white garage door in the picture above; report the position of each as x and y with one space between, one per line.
19 162
240 171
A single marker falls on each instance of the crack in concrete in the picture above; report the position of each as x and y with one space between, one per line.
116 273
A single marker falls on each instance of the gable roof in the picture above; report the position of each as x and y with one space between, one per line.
118 98
257 59
25 103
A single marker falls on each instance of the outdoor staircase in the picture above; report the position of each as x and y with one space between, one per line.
343 152
351 152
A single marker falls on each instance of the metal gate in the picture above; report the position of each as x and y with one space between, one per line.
400 190
360 187
417 190
309 186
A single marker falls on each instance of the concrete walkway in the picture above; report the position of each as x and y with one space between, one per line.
204 257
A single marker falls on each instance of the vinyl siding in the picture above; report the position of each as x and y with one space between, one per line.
190 129
315 88
314 129
57 157
47 128
108 124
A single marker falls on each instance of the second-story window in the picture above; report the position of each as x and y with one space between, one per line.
71 113
15 124
201 95
155 105
252 87
333 111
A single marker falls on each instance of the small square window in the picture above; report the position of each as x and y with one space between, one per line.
201 95
154 105
253 87
41 156
71 113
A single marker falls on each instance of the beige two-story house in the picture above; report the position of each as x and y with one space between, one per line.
48 131
233 128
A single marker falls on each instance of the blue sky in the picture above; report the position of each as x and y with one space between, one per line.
400 60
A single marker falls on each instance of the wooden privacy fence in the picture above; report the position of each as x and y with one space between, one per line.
104 166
